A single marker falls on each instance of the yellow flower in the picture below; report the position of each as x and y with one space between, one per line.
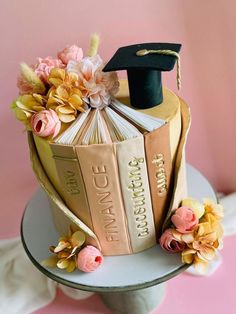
215 224
202 245
65 251
213 214
26 105
205 241
64 96
216 210
195 205
189 256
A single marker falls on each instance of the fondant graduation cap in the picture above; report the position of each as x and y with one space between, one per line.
144 64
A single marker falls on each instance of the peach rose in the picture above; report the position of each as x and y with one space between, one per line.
89 259
70 53
45 123
44 66
169 243
184 219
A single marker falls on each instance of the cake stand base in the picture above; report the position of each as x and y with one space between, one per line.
132 284
139 302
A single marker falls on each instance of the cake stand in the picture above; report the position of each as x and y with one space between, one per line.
127 284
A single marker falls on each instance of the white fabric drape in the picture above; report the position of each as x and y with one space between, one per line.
23 288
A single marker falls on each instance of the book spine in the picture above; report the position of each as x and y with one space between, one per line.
159 165
73 189
136 193
100 172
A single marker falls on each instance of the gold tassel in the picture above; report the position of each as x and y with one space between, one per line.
33 80
166 52
94 43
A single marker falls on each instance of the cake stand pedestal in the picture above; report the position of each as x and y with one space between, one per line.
127 284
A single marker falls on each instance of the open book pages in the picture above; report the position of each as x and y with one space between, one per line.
115 123
97 132
119 128
68 136
146 122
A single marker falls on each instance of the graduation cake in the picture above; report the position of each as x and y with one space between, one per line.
110 154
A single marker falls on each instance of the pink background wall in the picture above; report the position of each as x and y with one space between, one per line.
205 28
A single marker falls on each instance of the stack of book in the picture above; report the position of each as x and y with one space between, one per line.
115 168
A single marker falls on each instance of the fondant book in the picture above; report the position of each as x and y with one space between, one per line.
136 193
69 172
129 152
157 145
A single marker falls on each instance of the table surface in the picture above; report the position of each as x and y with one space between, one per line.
118 273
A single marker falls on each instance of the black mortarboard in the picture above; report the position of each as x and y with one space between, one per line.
144 70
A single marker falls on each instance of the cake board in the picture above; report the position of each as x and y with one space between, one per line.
127 284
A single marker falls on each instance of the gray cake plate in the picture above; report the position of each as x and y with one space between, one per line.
128 283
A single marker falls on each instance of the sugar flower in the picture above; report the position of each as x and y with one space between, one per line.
96 86
44 66
89 259
28 82
198 229
65 253
71 253
184 219
67 85
215 225
27 105
24 86
212 208
64 96
202 245
189 256
195 205
46 123
70 53
170 243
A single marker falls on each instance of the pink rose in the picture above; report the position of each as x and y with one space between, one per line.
89 259
169 243
44 66
46 123
184 219
70 53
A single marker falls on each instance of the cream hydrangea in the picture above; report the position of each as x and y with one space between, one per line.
97 86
